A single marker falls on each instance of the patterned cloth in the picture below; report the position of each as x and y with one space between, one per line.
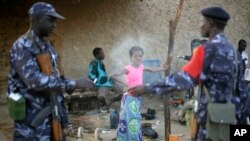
217 72
129 128
97 71
26 78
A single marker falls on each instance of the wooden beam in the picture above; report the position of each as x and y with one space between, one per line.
172 30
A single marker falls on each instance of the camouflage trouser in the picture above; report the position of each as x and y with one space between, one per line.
129 128
202 133
22 132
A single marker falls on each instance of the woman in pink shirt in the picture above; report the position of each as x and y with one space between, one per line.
129 128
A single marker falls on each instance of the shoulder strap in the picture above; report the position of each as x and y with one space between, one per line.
236 73
236 68
206 93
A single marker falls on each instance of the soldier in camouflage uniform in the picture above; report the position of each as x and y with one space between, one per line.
26 78
212 65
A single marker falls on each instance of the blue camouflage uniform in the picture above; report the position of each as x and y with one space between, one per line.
26 78
217 74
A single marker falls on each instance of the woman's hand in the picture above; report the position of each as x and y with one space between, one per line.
165 67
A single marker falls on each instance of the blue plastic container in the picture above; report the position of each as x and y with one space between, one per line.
114 119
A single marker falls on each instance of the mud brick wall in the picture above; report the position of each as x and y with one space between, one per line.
116 25
13 23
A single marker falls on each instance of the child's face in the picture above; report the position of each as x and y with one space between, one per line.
101 55
136 57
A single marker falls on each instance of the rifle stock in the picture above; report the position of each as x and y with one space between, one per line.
57 130
193 128
44 62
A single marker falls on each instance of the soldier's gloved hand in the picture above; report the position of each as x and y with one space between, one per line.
137 90
156 87
84 83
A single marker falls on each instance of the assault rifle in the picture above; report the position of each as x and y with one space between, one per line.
45 64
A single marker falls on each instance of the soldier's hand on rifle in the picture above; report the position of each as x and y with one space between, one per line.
84 83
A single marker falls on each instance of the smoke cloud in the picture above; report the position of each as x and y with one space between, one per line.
119 54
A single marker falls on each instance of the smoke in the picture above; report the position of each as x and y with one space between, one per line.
119 54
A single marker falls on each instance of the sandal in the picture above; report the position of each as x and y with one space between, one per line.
149 132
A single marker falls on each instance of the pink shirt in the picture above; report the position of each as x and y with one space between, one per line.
134 76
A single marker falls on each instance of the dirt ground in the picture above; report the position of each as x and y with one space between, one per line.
92 119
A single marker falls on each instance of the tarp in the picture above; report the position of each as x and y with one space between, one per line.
150 77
